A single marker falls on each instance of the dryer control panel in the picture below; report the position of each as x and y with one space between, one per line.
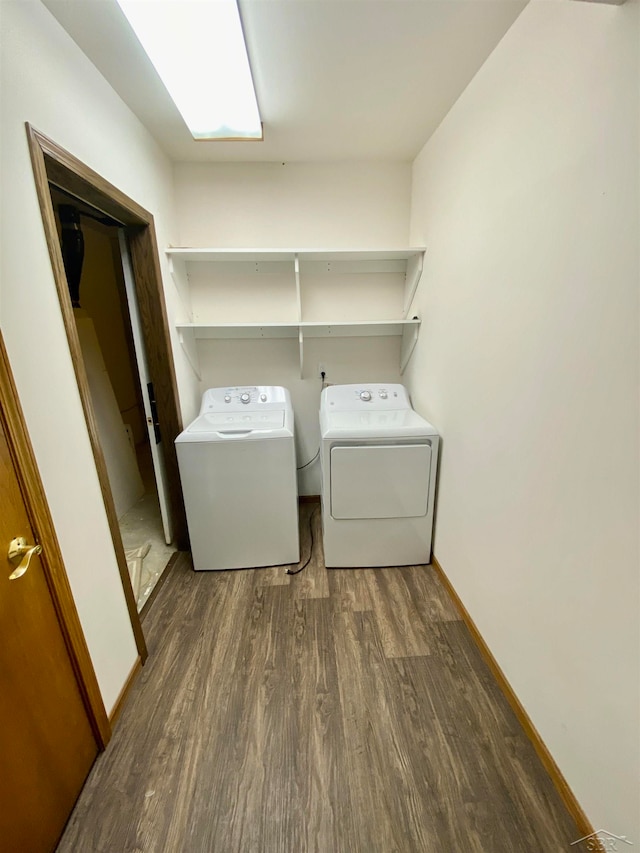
349 398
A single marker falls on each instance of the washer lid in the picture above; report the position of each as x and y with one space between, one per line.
402 423
221 422
222 426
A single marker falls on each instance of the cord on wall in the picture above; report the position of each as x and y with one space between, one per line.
306 464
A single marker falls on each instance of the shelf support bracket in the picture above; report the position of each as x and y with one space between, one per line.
412 279
187 338
409 339
296 267
180 278
301 345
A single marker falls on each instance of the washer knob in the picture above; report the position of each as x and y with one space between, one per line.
383 395
365 395
263 397
227 398
244 397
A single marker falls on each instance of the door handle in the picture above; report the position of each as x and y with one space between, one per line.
18 548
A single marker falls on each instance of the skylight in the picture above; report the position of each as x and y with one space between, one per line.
198 49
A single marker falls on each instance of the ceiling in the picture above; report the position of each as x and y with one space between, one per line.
335 79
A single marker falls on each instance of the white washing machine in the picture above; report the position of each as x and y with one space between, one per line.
379 462
238 471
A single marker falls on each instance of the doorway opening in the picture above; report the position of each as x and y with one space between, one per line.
102 291
54 166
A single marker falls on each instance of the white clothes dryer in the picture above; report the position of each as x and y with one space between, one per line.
237 466
379 462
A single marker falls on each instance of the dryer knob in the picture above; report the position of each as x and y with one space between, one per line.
365 395
227 398
263 397
244 397
383 395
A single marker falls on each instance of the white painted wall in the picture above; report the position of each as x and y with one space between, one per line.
297 205
527 198
48 82
303 205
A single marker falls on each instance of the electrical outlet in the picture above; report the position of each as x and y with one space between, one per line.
322 368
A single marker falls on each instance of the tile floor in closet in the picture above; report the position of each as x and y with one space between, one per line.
142 525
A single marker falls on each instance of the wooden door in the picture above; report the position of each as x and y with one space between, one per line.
47 744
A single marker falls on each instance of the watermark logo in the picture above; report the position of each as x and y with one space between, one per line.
603 841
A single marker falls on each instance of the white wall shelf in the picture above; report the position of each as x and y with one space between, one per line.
342 329
273 255
219 286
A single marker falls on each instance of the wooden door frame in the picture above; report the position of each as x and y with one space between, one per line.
53 568
52 164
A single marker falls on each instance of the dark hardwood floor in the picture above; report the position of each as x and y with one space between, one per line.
340 711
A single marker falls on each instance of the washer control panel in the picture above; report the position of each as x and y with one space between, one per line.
240 397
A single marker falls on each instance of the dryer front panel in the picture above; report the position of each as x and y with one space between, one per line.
380 481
